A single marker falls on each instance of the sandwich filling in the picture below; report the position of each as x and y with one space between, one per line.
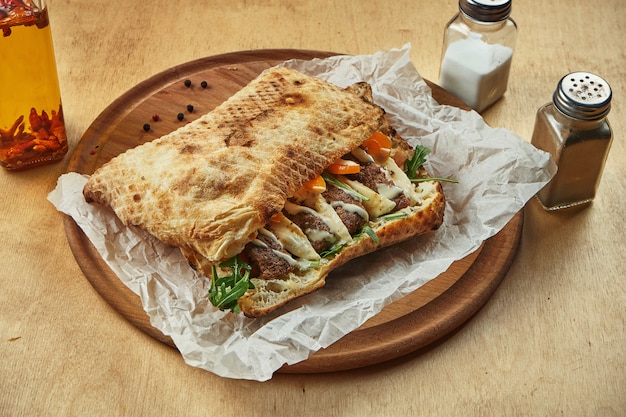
317 222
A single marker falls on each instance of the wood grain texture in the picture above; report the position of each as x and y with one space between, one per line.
412 323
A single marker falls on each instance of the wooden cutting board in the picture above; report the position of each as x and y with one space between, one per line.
153 108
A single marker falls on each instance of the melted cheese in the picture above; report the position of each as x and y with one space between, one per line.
317 206
332 219
399 177
317 235
389 191
268 233
362 156
376 205
293 209
293 239
352 208
260 243
285 256
286 242
316 203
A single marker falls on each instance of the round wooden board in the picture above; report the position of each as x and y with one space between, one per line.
411 324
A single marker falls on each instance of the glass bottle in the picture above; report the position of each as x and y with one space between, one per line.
32 129
574 129
477 52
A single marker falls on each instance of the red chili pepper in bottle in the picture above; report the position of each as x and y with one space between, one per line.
32 128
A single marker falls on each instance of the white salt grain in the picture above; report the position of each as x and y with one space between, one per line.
475 71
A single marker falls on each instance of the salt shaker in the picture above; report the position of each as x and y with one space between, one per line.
574 129
477 52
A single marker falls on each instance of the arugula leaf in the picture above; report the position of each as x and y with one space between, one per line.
226 290
412 165
394 216
368 231
333 250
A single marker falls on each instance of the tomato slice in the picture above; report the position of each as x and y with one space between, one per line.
343 166
378 145
317 184
276 217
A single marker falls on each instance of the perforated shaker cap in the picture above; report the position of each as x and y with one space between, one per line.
583 95
486 10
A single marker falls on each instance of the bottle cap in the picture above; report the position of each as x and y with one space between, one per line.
486 10
583 95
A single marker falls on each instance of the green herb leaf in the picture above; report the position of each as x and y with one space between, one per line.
412 165
370 232
394 216
332 251
226 290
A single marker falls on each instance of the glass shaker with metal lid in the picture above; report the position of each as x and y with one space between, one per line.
477 52
574 129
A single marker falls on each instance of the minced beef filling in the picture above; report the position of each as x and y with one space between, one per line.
308 222
371 175
352 221
265 263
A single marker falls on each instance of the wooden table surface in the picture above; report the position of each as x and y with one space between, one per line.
551 341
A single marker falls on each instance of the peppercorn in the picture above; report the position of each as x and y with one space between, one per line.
180 116
204 84
146 127
156 117
189 108
187 83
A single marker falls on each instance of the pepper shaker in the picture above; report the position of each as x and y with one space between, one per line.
477 52
574 129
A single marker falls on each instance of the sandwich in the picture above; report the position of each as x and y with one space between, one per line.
275 188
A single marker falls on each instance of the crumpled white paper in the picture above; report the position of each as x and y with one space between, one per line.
498 173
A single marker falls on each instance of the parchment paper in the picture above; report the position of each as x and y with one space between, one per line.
497 172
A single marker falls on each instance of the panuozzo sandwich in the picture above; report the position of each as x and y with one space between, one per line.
272 190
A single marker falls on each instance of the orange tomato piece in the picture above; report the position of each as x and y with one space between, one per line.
317 184
343 166
276 217
378 145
